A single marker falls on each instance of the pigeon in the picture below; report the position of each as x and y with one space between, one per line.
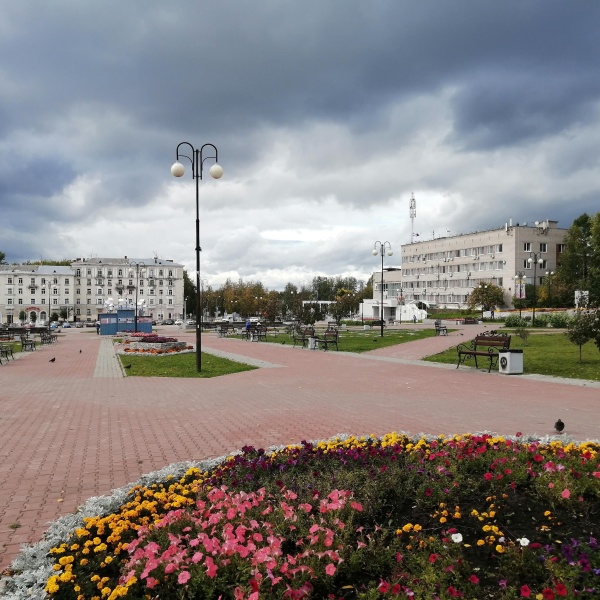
559 426
52 359
127 367
80 352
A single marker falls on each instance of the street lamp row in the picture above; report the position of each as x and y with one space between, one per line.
380 248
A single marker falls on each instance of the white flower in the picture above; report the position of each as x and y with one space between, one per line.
457 538
523 541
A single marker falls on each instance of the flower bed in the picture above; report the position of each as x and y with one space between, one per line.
152 344
470 516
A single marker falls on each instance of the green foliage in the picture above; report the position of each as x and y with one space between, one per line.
546 354
580 330
182 365
560 320
542 320
523 334
488 296
515 321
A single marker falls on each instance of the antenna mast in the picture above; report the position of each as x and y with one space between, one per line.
413 214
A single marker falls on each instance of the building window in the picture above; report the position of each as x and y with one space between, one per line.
43 300
54 300
120 273
55 291
160 301
78 272
527 246
78 311
170 292
20 301
560 248
10 280
526 264
99 291
544 247
170 273
9 301
109 292
9 291
151 300
170 301
99 301
20 290
32 301
33 281
160 272
88 272
89 291
20 281
66 281
66 290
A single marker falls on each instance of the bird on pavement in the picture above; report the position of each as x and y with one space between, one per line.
80 352
127 367
52 359
559 426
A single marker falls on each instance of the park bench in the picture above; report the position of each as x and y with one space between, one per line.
329 338
439 328
26 343
223 329
6 351
487 345
301 334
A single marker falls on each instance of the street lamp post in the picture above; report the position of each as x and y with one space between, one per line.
520 281
535 260
482 286
216 172
137 266
401 300
379 248
549 275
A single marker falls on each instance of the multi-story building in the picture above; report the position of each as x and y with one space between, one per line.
444 271
34 292
89 286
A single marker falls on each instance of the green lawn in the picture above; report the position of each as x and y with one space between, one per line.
363 341
182 365
546 354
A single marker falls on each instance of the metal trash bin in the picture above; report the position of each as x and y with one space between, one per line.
510 362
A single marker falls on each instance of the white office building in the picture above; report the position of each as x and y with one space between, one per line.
442 272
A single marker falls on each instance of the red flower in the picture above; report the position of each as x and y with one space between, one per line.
474 579
548 594
525 591
384 586
561 589
488 476
432 558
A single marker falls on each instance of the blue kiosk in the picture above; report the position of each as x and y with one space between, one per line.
123 319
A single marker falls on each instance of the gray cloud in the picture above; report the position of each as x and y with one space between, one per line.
326 115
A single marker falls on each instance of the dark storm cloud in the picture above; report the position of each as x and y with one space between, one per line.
331 106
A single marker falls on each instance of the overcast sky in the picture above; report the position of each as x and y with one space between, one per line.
327 116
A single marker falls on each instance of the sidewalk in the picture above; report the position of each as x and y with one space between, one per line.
77 428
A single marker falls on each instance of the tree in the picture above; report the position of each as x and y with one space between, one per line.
581 330
2 258
33 317
344 305
22 316
576 259
488 296
310 313
190 296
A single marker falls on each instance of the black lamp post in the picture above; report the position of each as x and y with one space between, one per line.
401 300
549 275
138 266
379 248
216 172
535 260
520 278
483 286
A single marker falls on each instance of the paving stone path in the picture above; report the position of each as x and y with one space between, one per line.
78 427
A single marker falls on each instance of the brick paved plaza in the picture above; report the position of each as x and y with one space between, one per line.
77 428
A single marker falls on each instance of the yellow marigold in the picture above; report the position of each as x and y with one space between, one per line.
83 562
52 585
443 519
492 514
499 549
547 513
100 548
486 528
417 527
65 560
480 542
407 527
105 591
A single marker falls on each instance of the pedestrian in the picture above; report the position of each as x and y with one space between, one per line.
492 313
415 319
97 327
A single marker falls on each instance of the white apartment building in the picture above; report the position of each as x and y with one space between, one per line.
443 271
89 286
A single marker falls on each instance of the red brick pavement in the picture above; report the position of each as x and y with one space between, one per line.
67 435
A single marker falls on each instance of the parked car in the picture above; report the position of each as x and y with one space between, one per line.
168 322
66 325
178 322
190 322
79 324
90 324
54 325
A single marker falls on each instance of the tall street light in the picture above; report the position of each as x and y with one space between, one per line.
379 248
520 290
549 275
535 260
197 159
138 266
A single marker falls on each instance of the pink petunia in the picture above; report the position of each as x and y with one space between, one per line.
183 577
525 591
566 493
330 569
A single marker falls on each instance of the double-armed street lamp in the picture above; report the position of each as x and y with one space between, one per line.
138 266
379 248
197 159
549 275
520 289
535 260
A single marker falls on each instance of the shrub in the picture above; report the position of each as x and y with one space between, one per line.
542 321
515 321
560 320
